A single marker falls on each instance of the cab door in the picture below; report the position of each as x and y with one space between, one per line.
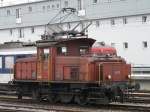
43 63
45 67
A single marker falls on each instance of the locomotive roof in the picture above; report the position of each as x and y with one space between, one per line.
48 43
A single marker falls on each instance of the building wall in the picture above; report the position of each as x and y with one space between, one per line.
22 34
39 13
135 33
107 16
115 8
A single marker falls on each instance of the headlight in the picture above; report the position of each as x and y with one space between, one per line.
129 76
109 77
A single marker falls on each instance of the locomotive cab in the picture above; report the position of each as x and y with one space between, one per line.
61 49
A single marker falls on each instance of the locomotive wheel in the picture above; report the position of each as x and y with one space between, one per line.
66 98
53 98
81 100
36 95
19 93
20 96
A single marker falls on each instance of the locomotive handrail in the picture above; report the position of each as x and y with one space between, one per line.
99 74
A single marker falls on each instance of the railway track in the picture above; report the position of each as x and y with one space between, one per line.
131 107
35 108
12 104
139 97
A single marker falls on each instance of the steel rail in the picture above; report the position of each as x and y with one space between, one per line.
27 105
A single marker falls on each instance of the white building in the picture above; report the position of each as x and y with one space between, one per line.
124 24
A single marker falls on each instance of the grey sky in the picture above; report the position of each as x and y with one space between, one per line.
11 2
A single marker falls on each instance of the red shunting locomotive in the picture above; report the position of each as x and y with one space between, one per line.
69 69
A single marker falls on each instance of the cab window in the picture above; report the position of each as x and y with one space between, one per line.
84 50
46 54
62 50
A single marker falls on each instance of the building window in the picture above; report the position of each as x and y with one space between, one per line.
8 12
94 1
17 13
32 30
30 9
112 22
53 6
20 31
43 7
145 45
97 23
66 3
144 19
79 5
113 44
11 31
48 7
124 20
57 5
125 45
